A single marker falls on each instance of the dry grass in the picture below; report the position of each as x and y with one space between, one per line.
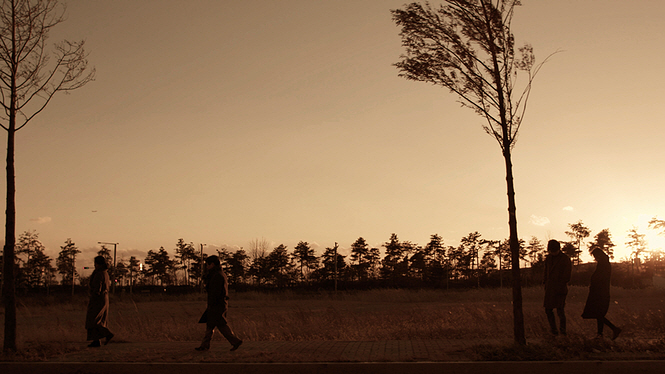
349 316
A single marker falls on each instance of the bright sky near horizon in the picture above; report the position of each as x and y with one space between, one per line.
221 122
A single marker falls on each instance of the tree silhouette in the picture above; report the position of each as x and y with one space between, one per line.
26 244
120 272
304 255
360 254
258 248
29 78
133 267
440 263
185 253
237 266
329 266
488 262
472 245
636 242
657 224
467 46
578 232
393 258
37 265
278 266
459 261
535 251
160 264
638 245
196 269
603 240
66 262
419 264
428 259
39 268
373 262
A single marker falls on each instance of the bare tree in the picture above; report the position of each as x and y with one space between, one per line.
467 46
258 248
29 78
638 245
657 224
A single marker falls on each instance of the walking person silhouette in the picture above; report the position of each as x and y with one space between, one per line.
556 278
217 286
96 318
598 301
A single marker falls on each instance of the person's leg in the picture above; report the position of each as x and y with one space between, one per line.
608 323
551 320
103 332
95 344
561 312
109 336
94 335
226 331
600 323
205 344
615 330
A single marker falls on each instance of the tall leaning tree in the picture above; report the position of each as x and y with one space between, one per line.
31 73
467 47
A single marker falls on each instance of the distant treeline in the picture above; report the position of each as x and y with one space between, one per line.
623 275
475 262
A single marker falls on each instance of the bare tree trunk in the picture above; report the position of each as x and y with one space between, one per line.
507 142
8 287
518 314
500 270
187 263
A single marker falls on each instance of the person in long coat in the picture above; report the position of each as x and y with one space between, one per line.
96 319
556 277
598 301
217 287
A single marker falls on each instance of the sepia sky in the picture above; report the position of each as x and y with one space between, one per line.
221 122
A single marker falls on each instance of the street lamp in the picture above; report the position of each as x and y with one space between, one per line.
114 251
73 270
202 266
335 267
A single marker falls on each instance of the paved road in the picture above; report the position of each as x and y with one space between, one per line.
321 357
279 351
568 367
119 351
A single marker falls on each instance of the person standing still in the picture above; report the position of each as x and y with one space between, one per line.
217 287
557 275
96 318
598 301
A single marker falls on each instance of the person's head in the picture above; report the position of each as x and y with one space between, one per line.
553 246
599 255
100 263
212 262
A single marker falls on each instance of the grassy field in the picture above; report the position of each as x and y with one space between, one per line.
348 316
